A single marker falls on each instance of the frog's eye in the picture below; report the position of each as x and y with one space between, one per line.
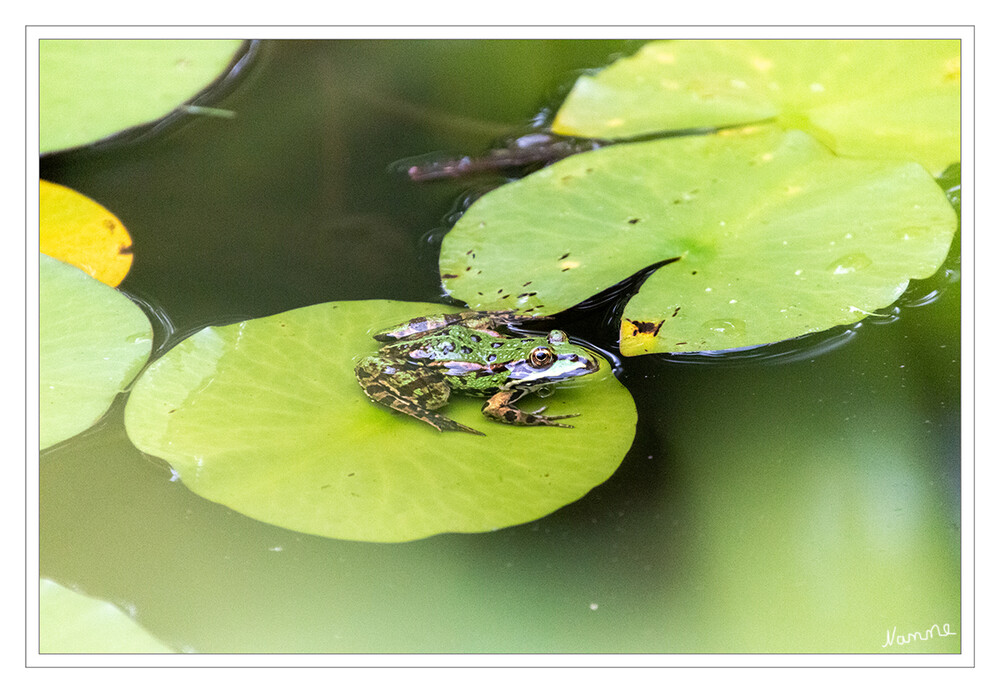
540 357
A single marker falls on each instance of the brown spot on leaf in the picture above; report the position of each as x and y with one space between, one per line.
646 327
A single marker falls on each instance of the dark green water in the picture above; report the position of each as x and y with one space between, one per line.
801 504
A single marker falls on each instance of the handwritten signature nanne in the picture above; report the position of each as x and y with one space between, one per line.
906 638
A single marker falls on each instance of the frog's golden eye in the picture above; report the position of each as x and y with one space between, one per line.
540 357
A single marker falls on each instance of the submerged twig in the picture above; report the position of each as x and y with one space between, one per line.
536 148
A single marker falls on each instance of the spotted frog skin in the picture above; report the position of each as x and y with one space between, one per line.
425 359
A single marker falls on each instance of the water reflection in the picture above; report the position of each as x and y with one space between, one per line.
801 348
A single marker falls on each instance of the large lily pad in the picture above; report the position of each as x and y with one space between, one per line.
776 237
266 417
73 623
92 342
867 98
91 89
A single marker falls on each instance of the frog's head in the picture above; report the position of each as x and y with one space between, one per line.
550 360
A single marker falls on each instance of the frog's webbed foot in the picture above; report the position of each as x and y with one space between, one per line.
499 407
443 423
438 421
384 394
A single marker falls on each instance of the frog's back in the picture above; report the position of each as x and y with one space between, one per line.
486 321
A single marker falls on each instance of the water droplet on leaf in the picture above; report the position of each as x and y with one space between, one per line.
849 263
733 327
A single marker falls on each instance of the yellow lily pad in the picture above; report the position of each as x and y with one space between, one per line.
79 231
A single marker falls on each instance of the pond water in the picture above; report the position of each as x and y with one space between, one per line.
807 502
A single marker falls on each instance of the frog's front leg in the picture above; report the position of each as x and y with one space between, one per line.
500 408
409 392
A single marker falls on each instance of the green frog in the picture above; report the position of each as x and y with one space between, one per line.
425 359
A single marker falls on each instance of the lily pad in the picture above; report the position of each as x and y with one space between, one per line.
91 89
866 98
73 623
776 237
75 229
92 342
266 417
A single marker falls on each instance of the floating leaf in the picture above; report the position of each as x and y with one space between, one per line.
73 623
91 89
92 342
75 229
776 238
874 99
266 417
